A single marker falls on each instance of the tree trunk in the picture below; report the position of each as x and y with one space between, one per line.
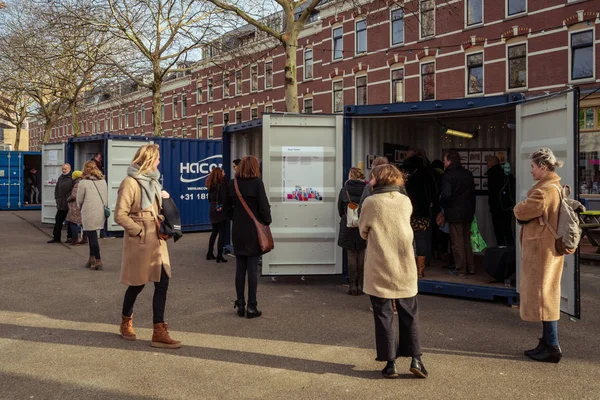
47 132
156 110
18 128
291 81
74 120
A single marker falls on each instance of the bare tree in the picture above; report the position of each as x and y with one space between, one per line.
157 37
15 105
295 16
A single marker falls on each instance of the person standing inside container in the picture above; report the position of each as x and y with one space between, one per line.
74 215
368 190
92 196
501 201
62 191
235 165
458 201
542 265
245 238
145 254
32 185
349 237
390 271
217 196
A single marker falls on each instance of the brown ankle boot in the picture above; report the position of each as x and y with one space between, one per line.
91 261
127 332
421 266
161 338
97 266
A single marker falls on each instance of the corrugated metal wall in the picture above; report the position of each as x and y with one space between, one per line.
248 143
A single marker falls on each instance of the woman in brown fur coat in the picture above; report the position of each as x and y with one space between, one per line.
541 264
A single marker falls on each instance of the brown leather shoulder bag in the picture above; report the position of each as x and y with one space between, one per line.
265 238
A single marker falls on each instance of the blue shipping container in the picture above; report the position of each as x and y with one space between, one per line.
14 190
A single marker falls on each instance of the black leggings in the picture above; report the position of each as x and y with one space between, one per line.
94 244
246 264
158 301
217 229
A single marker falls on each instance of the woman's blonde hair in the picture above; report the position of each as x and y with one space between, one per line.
544 157
91 169
145 157
387 175
356 174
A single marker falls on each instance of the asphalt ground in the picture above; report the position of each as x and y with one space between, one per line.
59 334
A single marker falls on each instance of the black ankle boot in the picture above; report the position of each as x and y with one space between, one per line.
239 304
253 312
418 369
210 255
539 348
550 354
220 259
390 371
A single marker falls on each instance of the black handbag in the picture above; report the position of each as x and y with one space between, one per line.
170 226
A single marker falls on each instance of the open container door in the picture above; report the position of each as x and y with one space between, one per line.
53 158
302 172
551 122
119 154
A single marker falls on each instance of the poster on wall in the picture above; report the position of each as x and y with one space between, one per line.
302 174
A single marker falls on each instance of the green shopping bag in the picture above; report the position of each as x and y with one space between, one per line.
477 242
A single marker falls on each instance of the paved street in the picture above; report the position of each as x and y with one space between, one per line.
59 325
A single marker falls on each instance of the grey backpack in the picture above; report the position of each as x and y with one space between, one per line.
568 233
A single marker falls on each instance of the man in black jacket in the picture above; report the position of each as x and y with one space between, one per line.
458 201
62 190
501 201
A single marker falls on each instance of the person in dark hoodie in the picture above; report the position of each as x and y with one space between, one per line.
421 189
349 238
62 191
501 201
458 201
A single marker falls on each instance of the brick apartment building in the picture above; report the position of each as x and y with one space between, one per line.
378 53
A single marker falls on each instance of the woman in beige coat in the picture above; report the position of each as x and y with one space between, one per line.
390 275
541 264
145 255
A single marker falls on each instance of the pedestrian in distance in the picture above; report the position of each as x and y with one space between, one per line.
62 191
244 236
390 271
145 254
32 186
98 160
349 237
74 215
458 201
92 195
501 189
217 196
541 264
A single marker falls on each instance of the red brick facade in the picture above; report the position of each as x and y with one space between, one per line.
545 28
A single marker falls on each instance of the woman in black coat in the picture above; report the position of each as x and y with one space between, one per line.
245 238
349 238
217 196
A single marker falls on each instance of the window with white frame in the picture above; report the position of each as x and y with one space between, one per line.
475 73
143 110
308 64
398 85
582 55
427 18
268 74
162 110
175 107
338 43
238 117
225 85
517 66
361 91
308 106
106 122
199 127
136 118
338 96
397 26
225 118
254 113
112 122
254 78
238 82
127 117
474 12
210 126
268 109
199 95
184 132
514 7
428 81
210 89
361 36
183 105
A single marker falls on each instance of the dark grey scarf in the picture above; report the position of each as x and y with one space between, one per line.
151 187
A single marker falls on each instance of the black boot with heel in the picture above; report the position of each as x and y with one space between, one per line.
253 312
241 308
220 258
210 255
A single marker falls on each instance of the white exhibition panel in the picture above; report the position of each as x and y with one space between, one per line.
549 122
53 158
302 168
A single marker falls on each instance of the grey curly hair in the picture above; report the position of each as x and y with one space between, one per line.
544 157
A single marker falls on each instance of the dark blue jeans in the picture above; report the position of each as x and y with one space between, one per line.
550 332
